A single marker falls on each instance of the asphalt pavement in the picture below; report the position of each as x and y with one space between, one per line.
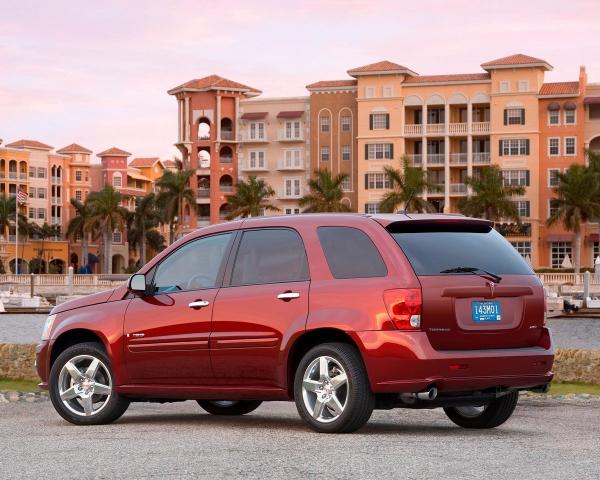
545 439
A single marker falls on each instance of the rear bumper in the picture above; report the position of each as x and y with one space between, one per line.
399 362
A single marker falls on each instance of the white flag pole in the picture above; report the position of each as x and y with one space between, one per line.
17 235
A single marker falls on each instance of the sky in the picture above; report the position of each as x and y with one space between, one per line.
97 73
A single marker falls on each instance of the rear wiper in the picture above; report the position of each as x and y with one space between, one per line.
475 271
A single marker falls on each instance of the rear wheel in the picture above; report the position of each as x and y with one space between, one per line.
490 415
331 389
229 407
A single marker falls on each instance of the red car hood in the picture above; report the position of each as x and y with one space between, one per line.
93 299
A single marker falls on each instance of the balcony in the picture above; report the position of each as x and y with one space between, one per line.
290 194
248 166
438 189
246 137
223 187
458 159
481 158
203 193
415 160
436 158
458 128
291 165
12 175
23 176
436 128
290 136
227 135
203 221
480 127
416 130
458 189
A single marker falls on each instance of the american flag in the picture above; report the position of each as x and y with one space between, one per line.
22 197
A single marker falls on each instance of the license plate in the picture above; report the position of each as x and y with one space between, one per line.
486 312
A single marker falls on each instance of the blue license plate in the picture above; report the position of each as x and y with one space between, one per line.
486 312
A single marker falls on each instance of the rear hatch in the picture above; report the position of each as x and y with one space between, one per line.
477 291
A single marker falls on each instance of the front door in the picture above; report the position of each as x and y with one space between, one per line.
265 298
167 332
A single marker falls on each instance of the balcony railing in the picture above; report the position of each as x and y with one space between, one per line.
438 189
481 158
440 128
203 193
413 129
227 135
226 159
23 176
287 136
415 160
225 188
480 127
247 166
12 175
290 193
436 158
458 188
458 128
436 128
458 158
288 165
246 137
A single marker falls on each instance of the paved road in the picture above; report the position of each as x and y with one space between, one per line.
545 439
569 333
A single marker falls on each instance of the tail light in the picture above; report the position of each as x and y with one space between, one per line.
404 307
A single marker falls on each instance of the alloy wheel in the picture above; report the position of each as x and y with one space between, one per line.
471 411
325 389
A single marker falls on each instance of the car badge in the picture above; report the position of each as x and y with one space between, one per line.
492 286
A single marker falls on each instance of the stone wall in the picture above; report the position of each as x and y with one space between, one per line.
570 365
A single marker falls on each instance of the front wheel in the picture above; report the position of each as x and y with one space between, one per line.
229 407
490 415
331 389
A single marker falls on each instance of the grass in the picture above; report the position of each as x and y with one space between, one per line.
19 385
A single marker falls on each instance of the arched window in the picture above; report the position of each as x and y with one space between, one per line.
204 158
226 183
224 211
117 180
204 129
226 129
226 155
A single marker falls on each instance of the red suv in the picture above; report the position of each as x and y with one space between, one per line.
342 313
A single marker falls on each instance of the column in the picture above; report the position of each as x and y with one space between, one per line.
469 143
424 142
218 118
187 119
179 114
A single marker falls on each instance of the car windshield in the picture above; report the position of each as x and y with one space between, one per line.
435 248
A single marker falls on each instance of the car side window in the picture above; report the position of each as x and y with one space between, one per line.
350 253
273 255
194 266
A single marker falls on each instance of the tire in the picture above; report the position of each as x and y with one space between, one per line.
229 407
319 397
494 414
80 402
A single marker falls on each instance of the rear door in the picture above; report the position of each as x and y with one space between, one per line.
467 311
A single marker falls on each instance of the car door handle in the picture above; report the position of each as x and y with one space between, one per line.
288 296
199 304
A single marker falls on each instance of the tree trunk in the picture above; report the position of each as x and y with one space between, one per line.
84 250
107 237
576 255
171 233
143 248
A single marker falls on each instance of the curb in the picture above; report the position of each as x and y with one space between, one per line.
12 396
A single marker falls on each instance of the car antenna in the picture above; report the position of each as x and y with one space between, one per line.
404 211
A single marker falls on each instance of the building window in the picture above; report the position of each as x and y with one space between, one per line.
375 181
292 187
324 124
504 86
257 130
32 213
552 207
32 172
325 153
570 117
292 211
346 122
257 160
570 146
377 151
369 92
388 91
371 208
523 85
292 159
379 121
78 195
554 146
78 175
553 117
117 236
523 248
346 152
41 192
41 172
41 213
522 207
116 180
553 177
595 251
514 116
558 253
514 147
292 129
346 185
516 178
32 192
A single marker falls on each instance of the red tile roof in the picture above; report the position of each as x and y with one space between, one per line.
383 66
254 115
457 77
516 59
213 82
332 84
169 163
143 162
73 148
290 114
114 152
560 88
29 143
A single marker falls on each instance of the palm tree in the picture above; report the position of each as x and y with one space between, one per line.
406 190
175 193
325 194
43 232
577 201
250 198
80 226
491 198
143 219
7 213
109 215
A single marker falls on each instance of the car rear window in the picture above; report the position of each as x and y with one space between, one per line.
433 247
350 253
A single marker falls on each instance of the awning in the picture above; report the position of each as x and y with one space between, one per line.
591 100
559 238
593 237
254 115
553 106
137 176
570 106
291 114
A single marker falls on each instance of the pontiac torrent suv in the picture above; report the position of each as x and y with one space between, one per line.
341 313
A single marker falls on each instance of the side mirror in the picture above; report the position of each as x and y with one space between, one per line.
137 283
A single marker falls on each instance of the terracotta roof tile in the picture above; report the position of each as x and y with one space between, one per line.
560 88
332 84
516 59
74 148
214 82
169 163
457 77
383 66
143 162
290 114
29 143
114 152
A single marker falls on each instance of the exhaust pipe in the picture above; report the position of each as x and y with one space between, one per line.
429 394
